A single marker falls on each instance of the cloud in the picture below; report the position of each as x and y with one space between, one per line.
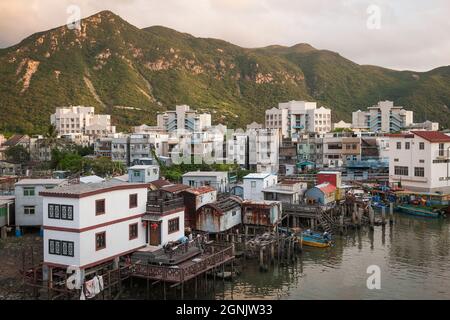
413 33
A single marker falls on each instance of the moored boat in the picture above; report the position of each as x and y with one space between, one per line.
314 239
420 211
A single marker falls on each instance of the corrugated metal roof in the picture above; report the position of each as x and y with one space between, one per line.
201 190
175 188
326 187
160 183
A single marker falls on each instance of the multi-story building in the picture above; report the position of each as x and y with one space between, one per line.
420 161
296 117
340 148
383 117
183 118
263 150
310 149
237 149
83 120
89 224
29 210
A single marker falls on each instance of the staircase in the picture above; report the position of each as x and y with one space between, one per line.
325 221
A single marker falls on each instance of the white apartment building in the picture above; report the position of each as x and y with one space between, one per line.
296 117
263 150
183 118
237 149
89 224
255 183
383 117
420 161
81 119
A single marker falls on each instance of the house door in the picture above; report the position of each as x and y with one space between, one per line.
155 233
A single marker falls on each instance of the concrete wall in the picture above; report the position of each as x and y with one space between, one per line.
115 222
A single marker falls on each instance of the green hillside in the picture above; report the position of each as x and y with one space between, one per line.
133 73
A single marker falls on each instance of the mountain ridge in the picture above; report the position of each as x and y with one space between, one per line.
134 73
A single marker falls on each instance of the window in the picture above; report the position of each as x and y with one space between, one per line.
441 149
136 173
29 210
62 248
419 172
395 160
174 225
100 241
407 145
399 145
133 200
233 213
253 184
133 231
99 207
422 145
28 191
63 212
401 171
422 161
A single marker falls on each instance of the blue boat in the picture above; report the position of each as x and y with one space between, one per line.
419 211
315 239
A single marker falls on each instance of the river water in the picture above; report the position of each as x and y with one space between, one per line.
413 255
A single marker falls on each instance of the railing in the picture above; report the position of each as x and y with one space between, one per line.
184 273
160 206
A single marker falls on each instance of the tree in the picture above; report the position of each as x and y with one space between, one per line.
17 154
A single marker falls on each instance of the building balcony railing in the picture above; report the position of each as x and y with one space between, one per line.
160 206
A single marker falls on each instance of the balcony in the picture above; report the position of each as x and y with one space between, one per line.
161 207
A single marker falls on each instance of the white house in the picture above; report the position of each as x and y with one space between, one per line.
215 179
29 210
143 173
88 224
255 183
420 161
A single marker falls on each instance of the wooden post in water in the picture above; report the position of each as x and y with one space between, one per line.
360 215
383 215
272 253
391 213
261 258
371 218
341 223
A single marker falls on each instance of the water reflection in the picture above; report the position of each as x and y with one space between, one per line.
413 255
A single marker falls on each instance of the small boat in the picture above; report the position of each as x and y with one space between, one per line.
420 211
314 239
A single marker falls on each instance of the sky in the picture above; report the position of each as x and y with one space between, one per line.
397 34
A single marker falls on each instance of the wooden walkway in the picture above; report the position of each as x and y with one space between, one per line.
212 257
